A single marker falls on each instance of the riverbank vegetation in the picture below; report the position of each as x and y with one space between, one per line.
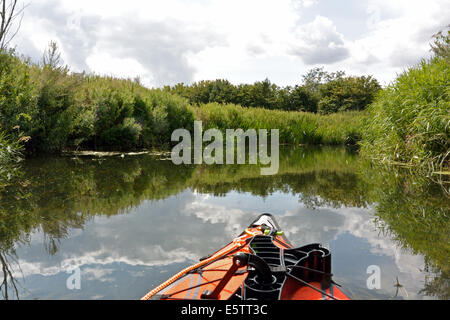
58 110
320 92
51 109
409 123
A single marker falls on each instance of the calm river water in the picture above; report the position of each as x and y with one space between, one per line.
130 223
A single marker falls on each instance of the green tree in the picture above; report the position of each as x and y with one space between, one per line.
300 98
316 77
348 93
222 91
264 95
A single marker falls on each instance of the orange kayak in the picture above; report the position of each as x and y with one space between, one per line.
260 264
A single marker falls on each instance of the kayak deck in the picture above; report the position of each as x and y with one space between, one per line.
260 264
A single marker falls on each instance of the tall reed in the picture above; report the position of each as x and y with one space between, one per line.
409 123
295 127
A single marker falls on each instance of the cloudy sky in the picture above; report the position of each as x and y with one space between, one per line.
172 41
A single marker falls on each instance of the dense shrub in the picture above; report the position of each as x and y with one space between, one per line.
123 114
112 109
160 113
17 94
51 109
53 114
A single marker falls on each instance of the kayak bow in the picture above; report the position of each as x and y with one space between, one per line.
260 264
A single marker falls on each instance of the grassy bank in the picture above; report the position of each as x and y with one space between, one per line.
295 127
52 109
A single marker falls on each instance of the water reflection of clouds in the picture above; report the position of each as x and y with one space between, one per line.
98 274
182 228
326 225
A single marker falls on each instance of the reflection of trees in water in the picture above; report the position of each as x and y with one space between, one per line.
61 194
437 285
9 282
415 213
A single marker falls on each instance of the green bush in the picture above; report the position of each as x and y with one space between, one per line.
112 108
17 94
37 100
410 121
119 113
53 116
160 113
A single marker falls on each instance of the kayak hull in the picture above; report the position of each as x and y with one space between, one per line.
260 264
